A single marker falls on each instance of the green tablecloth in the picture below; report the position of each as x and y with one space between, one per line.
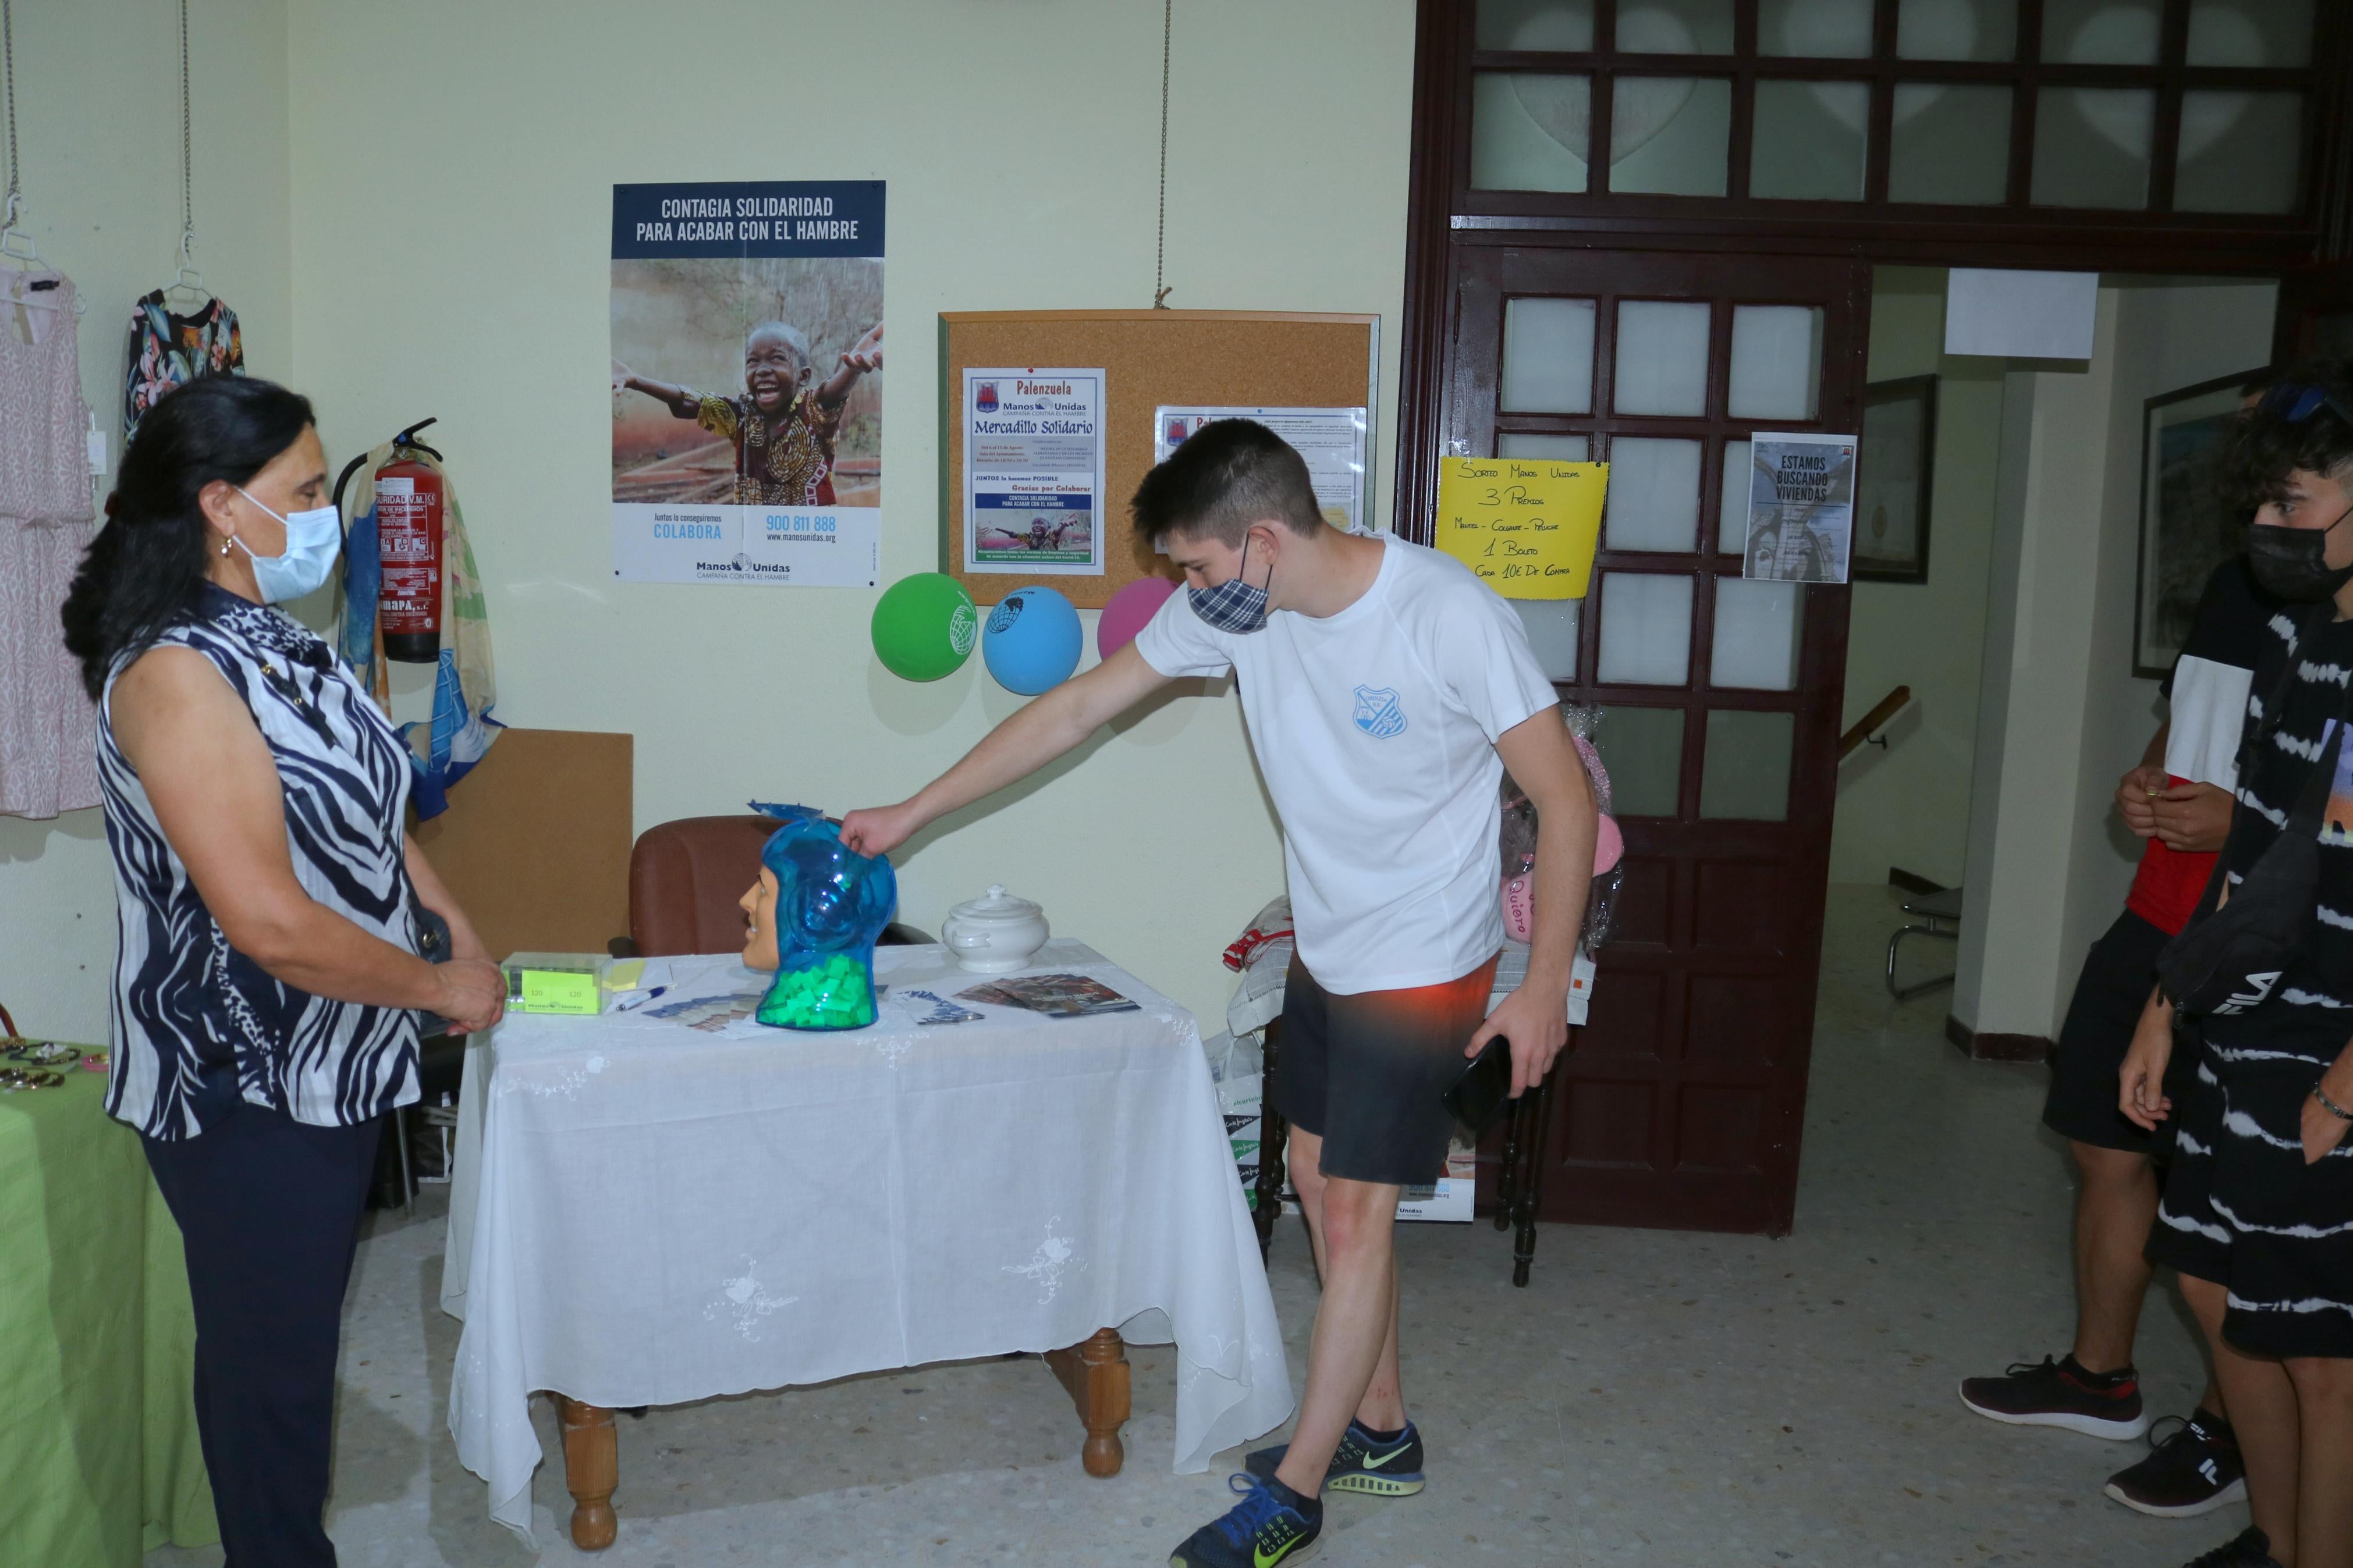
98 1430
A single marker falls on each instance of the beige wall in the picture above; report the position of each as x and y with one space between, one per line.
99 108
1908 806
1020 144
2060 715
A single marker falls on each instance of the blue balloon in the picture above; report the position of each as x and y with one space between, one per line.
1032 640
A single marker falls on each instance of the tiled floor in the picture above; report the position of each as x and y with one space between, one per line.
1656 1397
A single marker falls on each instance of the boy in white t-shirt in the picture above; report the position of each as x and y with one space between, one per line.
1386 688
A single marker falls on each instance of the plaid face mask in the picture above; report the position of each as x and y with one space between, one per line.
1233 606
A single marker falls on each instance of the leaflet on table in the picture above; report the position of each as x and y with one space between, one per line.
1800 507
747 323
1033 471
1333 440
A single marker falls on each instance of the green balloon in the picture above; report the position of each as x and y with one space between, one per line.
924 627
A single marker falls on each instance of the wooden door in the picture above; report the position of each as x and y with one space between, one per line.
2315 313
1681 1101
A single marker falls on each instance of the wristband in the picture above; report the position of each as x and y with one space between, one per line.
2330 1106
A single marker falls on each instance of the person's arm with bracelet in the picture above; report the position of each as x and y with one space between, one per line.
215 792
1048 727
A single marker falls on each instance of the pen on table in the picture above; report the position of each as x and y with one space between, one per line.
631 1003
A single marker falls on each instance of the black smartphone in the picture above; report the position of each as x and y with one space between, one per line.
1479 1096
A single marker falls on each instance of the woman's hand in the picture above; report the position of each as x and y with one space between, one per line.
2141 1082
472 993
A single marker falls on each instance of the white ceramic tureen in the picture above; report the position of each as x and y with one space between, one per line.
994 934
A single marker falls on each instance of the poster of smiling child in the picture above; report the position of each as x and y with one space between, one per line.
747 381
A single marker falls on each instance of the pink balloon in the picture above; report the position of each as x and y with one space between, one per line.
1128 611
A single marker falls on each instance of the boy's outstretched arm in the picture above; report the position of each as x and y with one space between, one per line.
685 402
1027 742
865 354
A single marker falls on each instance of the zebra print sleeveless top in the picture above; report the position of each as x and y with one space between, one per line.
197 1025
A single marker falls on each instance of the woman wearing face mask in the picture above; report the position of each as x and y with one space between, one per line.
2257 1212
271 906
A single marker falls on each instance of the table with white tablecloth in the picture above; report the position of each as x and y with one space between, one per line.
646 1212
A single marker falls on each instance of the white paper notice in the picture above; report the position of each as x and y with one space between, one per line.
1800 507
2020 315
1033 471
1331 439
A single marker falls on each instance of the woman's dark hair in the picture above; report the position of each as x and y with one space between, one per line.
2303 419
146 568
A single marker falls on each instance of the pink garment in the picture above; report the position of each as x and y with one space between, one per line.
48 728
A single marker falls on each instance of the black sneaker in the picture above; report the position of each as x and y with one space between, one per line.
1365 1462
2195 1469
2060 1394
2251 1548
1271 1524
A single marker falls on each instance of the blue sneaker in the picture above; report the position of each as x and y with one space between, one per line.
1271 1524
1364 1463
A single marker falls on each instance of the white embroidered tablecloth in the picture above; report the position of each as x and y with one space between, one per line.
644 1213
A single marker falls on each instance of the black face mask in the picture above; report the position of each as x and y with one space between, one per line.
2291 561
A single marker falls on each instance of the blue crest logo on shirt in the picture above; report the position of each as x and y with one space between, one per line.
1377 713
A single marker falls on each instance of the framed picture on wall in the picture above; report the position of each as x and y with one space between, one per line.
2185 533
1899 455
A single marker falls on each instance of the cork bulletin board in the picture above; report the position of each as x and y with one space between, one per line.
1150 358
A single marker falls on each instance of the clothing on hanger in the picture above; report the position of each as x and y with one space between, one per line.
168 350
48 735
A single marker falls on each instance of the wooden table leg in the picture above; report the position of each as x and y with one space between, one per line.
592 1469
1096 1374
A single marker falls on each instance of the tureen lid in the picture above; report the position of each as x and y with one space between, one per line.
996 904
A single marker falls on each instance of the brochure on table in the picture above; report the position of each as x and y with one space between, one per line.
1332 441
1033 471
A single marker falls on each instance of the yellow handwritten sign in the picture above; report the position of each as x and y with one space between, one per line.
1528 526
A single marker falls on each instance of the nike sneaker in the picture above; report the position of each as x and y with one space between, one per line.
1384 1464
2195 1469
2060 1394
1271 1524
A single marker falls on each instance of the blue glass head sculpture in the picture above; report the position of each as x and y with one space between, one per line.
830 905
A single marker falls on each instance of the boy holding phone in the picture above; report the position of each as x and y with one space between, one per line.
1386 689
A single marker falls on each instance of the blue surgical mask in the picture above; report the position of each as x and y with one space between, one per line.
314 539
1233 606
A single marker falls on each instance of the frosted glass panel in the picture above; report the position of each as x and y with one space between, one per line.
1653 498
1746 771
2091 146
1824 29
1662 357
1561 449
1777 361
1563 25
1552 633
1645 629
1675 28
2240 152
2250 32
1528 132
1810 141
1957 30
2102 32
1669 135
1548 356
1732 501
1643 749
1757 634
1951 144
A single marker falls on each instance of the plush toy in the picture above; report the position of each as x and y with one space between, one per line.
813 916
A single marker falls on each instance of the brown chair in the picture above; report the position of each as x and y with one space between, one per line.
685 878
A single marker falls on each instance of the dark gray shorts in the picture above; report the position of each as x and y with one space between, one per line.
1367 1073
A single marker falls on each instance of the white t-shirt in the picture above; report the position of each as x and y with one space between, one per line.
1376 729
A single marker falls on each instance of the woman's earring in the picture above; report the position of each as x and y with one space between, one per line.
224 544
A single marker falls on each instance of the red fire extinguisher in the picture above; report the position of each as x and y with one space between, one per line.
408 500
